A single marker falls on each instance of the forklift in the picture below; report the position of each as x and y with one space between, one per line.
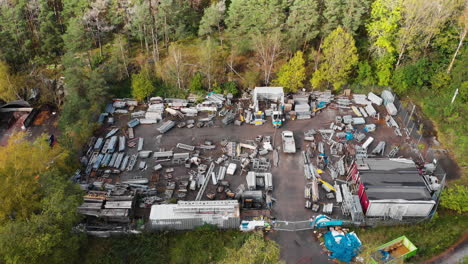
277 117
259 118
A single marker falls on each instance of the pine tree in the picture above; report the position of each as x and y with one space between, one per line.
50 32
142 86
302 23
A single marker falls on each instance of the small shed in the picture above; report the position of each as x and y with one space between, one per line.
275 94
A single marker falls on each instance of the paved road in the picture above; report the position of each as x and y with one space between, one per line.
453 255
289 181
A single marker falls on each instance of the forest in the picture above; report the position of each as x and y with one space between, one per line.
73 55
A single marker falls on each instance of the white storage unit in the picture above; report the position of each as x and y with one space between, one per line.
391 109
231 169
387 97
375 98
379 208
250 178
370 110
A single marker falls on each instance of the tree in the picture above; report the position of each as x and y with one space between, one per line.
15 34
212 18
345 13
252 16
339 58
50 29
256 250
210 60
454 198
117 66
96 21
21 165
173 69
40 230
10 89
421 21
302 24
292 74
463 29
196 84
267 48
142 86
383 28
365 74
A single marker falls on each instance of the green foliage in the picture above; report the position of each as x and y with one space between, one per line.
339 59
16 34
212 18
230 87
10 87
452 227
302 24
142 86
454 198
226 88
196 84
205 244
384 24
440 80
256 250
348 14
292 74
76 38
383 29
50 31
365 74
384 68
21 165
38 209
253 16
412 76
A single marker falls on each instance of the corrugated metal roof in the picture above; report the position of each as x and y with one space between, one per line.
392 179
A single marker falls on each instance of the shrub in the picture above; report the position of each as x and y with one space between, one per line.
454 198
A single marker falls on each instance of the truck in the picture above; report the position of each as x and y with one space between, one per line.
289 146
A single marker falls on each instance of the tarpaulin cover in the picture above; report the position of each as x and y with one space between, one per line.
349 136
321 104
344 247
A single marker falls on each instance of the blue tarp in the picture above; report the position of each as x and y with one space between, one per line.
349 135
344 250
321 104
109 109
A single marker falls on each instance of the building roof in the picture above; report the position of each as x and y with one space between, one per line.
269 90
194 209
385 179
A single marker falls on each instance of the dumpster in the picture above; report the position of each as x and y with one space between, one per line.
391 252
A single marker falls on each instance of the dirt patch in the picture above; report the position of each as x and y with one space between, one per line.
42 117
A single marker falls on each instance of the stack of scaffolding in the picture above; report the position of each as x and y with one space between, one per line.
166 126
154 114
302 111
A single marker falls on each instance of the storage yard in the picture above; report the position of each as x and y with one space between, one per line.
176 164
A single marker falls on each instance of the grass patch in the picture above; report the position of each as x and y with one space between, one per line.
431 238
203 245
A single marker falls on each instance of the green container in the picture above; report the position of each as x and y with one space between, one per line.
405 250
